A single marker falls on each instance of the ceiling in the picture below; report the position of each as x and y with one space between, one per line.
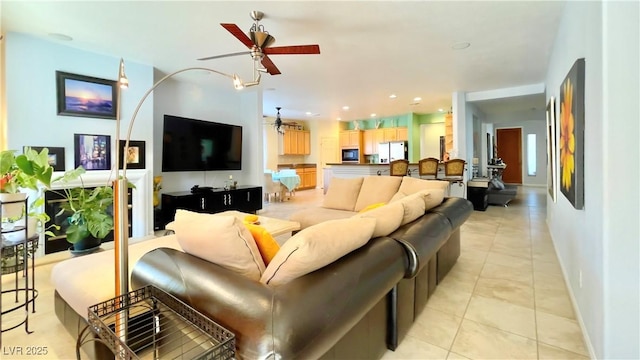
369 49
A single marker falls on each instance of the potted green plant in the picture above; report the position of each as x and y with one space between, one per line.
89 218
17 173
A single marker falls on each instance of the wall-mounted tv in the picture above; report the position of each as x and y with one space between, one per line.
193 145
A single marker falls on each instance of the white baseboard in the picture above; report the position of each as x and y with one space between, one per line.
583 328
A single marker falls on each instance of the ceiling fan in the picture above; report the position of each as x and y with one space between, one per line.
260 41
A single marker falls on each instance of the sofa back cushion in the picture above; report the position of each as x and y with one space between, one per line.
412 185
435 198
223 240
317 246
388 218
414 206
376 189
342 194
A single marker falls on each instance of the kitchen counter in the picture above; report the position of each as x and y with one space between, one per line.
358 170
296 166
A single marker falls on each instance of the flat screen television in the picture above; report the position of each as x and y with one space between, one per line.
193 145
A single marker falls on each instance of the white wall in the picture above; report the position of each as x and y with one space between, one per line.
601 241
211 99
31 107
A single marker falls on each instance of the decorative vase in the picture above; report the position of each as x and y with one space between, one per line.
85 246
14 211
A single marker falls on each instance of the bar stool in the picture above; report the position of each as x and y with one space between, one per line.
454 173
399 167
428 167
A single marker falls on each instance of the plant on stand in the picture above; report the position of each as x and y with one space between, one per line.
18 173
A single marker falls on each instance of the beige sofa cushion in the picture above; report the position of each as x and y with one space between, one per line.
88 280
388 218
412 185
376 189
342 193
316 247
434 198
315 215
223 240
414 206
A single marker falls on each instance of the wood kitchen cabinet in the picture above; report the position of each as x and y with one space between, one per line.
296 142
307 178
370 145
402 133
351 139
448 133
375 136
390 134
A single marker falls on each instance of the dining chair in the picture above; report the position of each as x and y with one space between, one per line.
428 167
454 173
399 167
272 187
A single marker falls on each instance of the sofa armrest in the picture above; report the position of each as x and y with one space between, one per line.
456 209
421 239
301 319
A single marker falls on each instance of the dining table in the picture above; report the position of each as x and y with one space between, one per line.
288 178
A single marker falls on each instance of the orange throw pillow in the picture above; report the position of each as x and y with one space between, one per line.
267 245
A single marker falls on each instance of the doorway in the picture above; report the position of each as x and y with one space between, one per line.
509 145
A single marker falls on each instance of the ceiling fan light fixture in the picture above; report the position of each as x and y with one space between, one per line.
261 39
277 125
237 83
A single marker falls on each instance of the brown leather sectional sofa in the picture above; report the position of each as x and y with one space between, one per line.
356 307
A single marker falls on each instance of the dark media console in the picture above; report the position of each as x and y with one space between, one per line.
211 200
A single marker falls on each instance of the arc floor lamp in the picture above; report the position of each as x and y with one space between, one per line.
120 198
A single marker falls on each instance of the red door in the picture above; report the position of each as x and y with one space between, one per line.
509 143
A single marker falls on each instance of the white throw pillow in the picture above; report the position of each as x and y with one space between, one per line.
388 218
223 240
316 247
435 198
342 193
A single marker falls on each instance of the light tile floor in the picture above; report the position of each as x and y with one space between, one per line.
504 299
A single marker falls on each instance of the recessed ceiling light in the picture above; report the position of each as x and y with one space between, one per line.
460 46
393 96
373 115
309 113
339 119
417 98
62 37
345 107
440 110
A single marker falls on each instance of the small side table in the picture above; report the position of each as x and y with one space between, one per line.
477 193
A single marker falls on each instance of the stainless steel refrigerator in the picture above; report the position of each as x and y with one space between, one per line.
394 150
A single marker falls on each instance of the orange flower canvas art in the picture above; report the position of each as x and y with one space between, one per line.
571 144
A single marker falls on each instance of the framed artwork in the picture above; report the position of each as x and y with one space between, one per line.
135 155
571 144
86 96
92 152
56 156
551 148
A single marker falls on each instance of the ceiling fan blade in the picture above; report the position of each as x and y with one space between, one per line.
225 55
294 49
239 34
270 66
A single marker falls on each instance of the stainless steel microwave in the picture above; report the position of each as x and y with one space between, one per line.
350 155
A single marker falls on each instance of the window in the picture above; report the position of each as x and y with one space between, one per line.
531 154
